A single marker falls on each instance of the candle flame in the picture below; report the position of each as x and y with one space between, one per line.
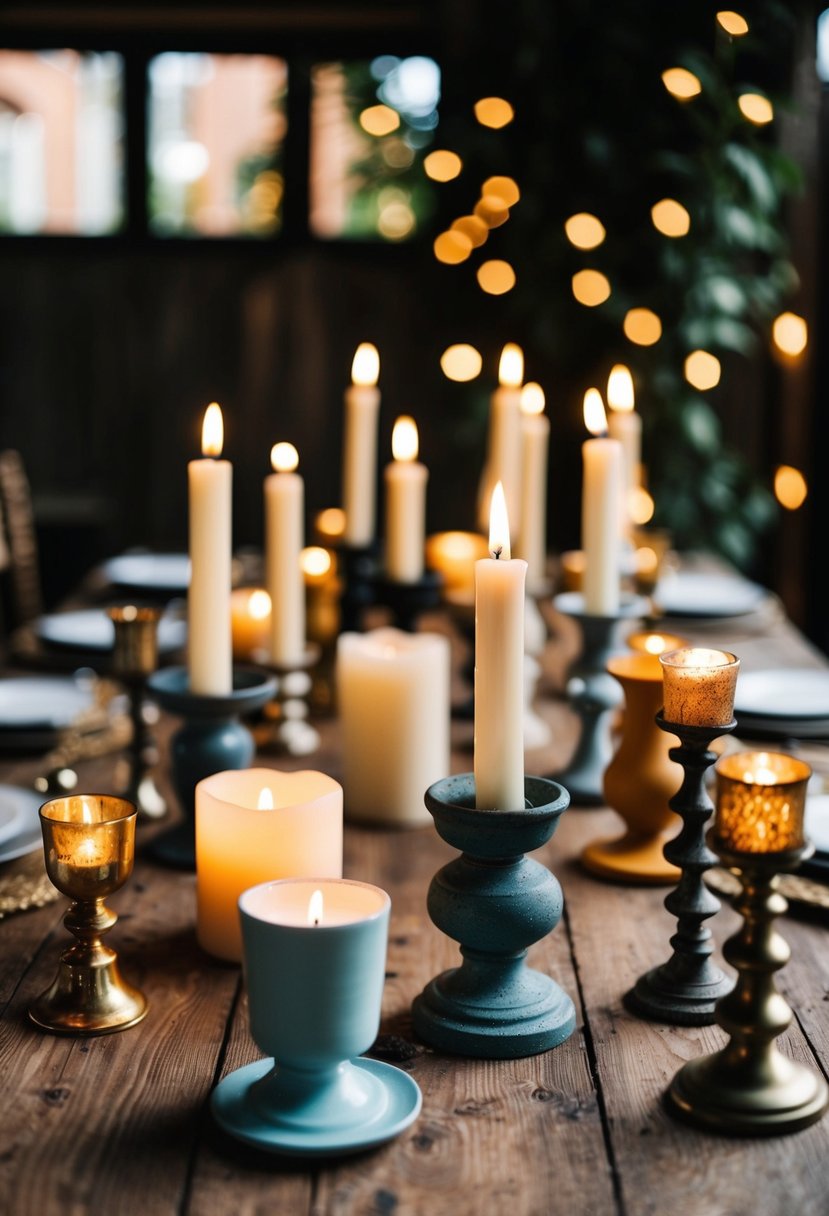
620 389
499 545
212 431
511 366
365 368
532 399
404 444
259 605
315 908
86 812
284 457
315 561
655 644
595 419
265 800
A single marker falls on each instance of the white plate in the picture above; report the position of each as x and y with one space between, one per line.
28 836
9 817
695 593
816 821
783 693
91 629
41 702
150 571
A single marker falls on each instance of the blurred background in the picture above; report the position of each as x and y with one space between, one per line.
219 202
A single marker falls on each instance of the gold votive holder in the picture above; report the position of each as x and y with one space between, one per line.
134 658
89 847
761 800
699 686
656 642
135 654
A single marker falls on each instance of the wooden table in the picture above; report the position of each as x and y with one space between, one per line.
120 1124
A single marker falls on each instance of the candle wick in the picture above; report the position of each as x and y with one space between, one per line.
497 551
316 920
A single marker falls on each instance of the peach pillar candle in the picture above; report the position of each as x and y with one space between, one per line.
210 483
699 686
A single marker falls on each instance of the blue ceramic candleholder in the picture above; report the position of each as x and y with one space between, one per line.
408 601
495 902
593 694
210 740
314 973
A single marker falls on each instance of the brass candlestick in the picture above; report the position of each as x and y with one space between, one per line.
134 658
89 844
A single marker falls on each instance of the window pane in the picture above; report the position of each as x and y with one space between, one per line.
216 130
61 134
372 123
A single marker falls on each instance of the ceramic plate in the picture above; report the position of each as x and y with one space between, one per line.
697 594
92 630
783 693
41 703
9 817
817 821
168 572
27 836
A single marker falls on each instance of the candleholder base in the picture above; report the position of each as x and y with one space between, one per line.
356 1106
211 740
593 694
495 902
749 1088
285 729
631 858
357 567
408 601
684 990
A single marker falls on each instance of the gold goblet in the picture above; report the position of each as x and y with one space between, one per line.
89 844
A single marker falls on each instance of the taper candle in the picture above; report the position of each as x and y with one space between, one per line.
362 404
284 506
405 480
504 449
625 425
600 532
535 440
210 482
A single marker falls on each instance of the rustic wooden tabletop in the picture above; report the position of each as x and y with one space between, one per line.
120 1123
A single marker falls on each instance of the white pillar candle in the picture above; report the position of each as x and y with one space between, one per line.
535 441
253 825
499 669
405 481
362 404
625 425
210 484
600 532
504 448
393 691
284 506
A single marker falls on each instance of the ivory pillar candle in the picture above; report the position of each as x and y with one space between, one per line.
499 669
210 483
284 506
393 690
625 425
405 481
253 825
362 404
600 532
504 448
535 440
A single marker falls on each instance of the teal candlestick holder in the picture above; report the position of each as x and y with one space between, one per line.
495 902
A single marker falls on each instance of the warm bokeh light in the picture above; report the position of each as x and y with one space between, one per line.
379 120
511 366
452 247
642 326
790 487
365 367
396 220
473 227
442 165
702 370
670 217
595 418
790 333
404 442
212 431
591 287
532 398
733 23
503 188
494 112
496 277
491 210
681 83
756 108
315 561
330 523
620 388
584 230
640 506
461 362
259 605
284 457
499 541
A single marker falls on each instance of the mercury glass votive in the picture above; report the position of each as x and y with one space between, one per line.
699 686
89 847
761 800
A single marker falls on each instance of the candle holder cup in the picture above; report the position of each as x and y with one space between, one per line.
134 658
495 902
285 729
408 601
89 847
210 740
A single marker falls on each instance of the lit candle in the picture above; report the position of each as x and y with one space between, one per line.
504 451
250 620
362 404
453 555
253 825
284 506
600 533
210 483
699 686
405 481
535 439
393 694
625 425
761 799
647 642
499 669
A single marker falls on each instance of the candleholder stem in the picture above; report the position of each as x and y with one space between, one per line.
408 601
357 568
143 756
750 1088
686 988
285 728
495 902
